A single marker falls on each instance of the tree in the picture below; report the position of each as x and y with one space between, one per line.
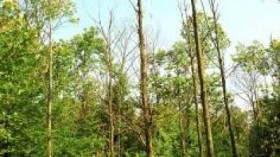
35 93
107 35
146 109
17 73
50 90
80 123
251 72
187 35
79 96
216 42
203 93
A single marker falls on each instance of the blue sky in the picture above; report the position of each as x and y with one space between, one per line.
243 20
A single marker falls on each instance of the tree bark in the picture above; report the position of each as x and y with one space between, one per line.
108 59
110 99
198 129
143 83
194 88
223 77
111 115
182 124
50 92
203 94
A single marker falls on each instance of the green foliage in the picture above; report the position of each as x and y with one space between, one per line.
257 60
253 58
206 30
80 113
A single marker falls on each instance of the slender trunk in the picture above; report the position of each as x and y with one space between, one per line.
143 85
187 26
222 71
229 119
194 88
184 118
120 124
182 124
203 95
198 129
183 136
254 106
119 120
256 109
50 94
110 101
120 109
111 115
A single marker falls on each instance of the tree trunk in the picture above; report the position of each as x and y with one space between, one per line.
183 136
110 99
229 119
111 115
194 88
182 125
203 94
143 85
184 118
198 129
222 71
119 142
50 92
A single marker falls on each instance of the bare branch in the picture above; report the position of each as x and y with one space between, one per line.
133 5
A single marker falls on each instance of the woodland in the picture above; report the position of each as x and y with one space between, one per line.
111 91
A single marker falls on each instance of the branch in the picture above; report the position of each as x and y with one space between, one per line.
133 6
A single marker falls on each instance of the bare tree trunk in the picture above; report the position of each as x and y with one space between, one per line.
194 74
107 35
50 92
184 117
229 119
222 71
110 98
143 85
187 28
203 95
119 129
198 129
111 115
255 105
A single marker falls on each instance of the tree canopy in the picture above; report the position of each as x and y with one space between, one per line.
115 92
